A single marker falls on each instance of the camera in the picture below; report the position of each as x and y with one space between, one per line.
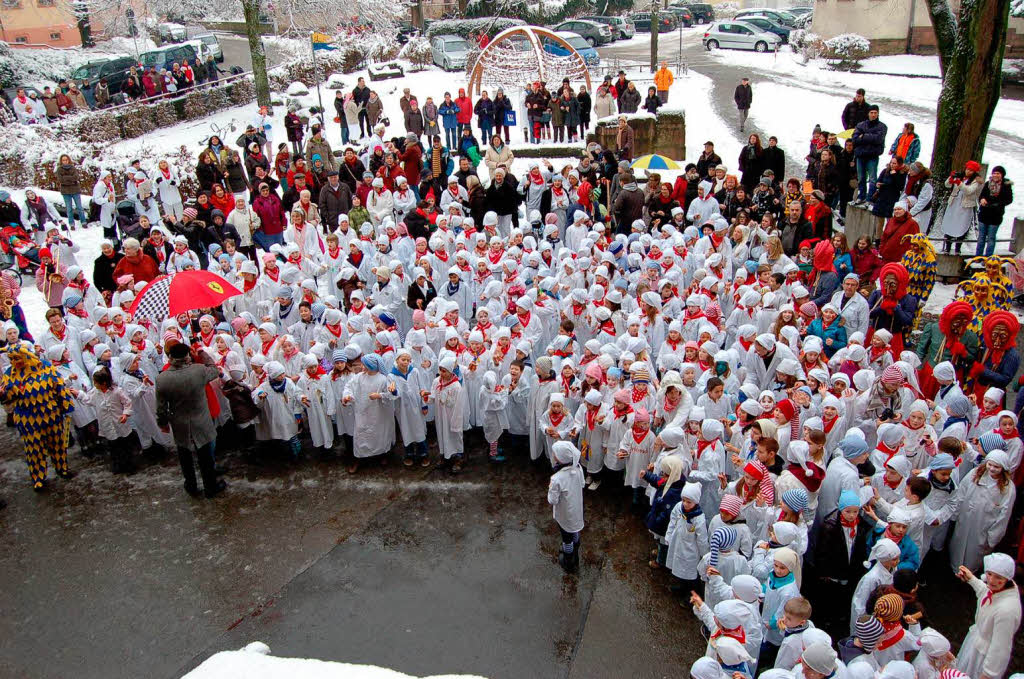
887 414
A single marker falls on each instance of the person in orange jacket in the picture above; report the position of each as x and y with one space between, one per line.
663 80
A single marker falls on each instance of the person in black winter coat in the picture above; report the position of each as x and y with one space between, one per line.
838 564
218 229
744 97
995 196
888 188
856 111
652 102
774 158
503 195
421 293
669 485
103 270
629 101
868 146
293 126
586 105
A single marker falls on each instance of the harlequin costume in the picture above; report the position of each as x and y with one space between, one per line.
35 394
919 262
982 294
995 270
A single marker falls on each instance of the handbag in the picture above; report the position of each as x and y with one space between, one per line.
510 118
337 119
545 117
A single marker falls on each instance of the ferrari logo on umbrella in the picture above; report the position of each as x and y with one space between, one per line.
216 287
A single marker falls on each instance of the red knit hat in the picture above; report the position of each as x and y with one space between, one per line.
787 408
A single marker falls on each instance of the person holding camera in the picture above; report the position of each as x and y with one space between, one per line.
962 205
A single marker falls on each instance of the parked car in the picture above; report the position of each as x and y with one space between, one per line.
114 69
683 15
799 11
642 21
167 57
622 27
703 13
212 43
168 32
739 35
577 42
776 15
766 24
593 32
449 52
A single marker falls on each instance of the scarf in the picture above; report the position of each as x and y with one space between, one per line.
453 288
737 633
829 423
279 387
701 445
556 419
592 417
639 435
850 527
892 635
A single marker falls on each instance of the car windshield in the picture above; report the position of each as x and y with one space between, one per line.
209 39
151 58
87 72
456 46
578 43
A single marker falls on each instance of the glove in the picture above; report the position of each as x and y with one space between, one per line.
976 370
887 304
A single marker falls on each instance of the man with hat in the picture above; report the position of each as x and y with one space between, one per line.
743 96
181 398
335 200
708 161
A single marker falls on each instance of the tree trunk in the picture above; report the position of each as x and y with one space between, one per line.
654 35
971 56
251 8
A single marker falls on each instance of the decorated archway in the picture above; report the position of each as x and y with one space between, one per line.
509 64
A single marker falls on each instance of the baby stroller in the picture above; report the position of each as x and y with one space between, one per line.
127 221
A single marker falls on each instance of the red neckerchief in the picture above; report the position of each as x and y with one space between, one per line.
357 309
448 383
495 257
567 383
207 338
674 345
987 599
442 254
556 420
272 275
701 445
830 423
851 527
333 253
587 359
982 414
118 329
293 352
81 313
578 309
642 434
245 334
877 352
331 329
670 407
608 326
592 412
60 336
739 634
335 375
141 345
524 319
249 286
484 328
889 452
638 395
166 173
893 633
267 345
1006 437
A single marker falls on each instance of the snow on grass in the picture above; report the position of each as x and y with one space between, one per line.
804 108
908 64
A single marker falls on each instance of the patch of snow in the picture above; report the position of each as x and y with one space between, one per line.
255 662
908 64
297 89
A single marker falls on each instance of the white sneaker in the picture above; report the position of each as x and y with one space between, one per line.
595 484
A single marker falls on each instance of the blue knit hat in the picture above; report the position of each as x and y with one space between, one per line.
795 499
942 461
853 446
847 498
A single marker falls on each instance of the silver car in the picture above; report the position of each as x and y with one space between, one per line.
449 52
213 45
739 35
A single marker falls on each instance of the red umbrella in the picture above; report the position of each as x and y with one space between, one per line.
172 295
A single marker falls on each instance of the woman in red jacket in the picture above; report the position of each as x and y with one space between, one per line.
893 244
272 220
222 200
865 259
464 117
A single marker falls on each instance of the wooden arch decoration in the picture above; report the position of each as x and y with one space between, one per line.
533 35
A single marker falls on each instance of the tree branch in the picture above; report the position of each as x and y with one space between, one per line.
945 25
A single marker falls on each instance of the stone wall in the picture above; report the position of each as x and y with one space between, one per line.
664 134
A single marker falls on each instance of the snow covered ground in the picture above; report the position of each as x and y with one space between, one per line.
254 662
812 94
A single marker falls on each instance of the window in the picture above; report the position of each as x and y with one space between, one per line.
55 36
45 3
21 39
13 4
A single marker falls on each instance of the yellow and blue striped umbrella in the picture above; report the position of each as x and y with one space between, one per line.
653 161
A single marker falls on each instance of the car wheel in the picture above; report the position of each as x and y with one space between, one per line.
761 46
445 65
712 45
591 42
700 20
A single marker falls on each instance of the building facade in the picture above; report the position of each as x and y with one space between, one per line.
40 22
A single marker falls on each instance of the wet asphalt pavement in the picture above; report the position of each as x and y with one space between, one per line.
127 576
